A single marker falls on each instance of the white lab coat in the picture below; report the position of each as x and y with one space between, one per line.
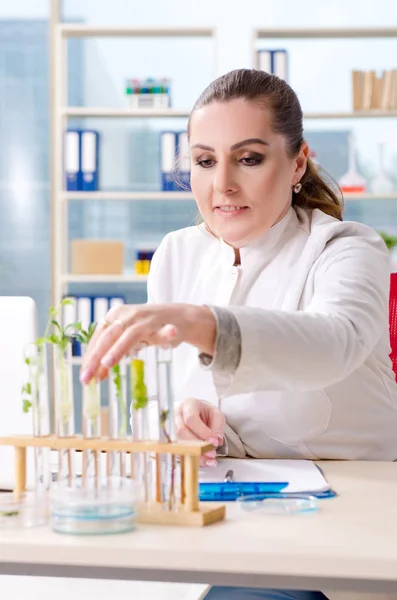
311 298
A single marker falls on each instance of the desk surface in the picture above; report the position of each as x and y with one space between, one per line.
351 544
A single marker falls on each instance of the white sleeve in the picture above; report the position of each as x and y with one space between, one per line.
153 283
329 339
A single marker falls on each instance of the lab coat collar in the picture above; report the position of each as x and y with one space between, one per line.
265 242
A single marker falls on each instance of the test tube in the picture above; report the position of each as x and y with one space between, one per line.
64 407
166 423
35 391
139 367
116 466
91 418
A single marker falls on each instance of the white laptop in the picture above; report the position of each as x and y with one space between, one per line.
18 327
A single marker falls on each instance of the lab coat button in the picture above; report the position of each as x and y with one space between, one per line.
234 273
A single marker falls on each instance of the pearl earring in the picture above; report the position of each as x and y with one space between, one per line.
297 188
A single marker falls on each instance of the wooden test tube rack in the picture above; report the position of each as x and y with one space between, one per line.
189 511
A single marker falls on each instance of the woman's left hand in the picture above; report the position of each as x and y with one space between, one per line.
129 326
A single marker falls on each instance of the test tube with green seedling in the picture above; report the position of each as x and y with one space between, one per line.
91 411
59 337
36 399
140 422
166 420
117 417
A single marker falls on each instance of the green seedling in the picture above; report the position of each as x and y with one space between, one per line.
139 394
53 334
139 398
84 335
60 337
116 378
92 401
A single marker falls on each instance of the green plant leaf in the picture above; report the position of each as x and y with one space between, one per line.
66 302
163 417
26 405
57 325
63 342
73 327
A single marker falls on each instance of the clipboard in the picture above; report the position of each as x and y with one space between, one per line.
262 477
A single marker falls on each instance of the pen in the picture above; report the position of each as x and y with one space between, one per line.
229 476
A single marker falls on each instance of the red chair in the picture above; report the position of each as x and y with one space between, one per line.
393 320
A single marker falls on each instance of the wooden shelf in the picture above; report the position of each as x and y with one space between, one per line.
124 278
127 196
76 30
144 113
123 112
332 32
370 196
186 196
358 114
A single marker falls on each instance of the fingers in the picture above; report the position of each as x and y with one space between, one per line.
128 328
217 421
192 415
183 433
102 373
94 354
145 330
191 421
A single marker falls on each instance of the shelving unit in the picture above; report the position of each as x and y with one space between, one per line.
330 33
334 33
61 112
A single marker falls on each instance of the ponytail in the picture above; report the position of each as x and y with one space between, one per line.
316 192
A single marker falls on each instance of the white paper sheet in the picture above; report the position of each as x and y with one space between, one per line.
301 475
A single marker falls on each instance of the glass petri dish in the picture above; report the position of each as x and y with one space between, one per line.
108 508
282 505
31 510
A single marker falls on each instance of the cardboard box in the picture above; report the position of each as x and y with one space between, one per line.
96 257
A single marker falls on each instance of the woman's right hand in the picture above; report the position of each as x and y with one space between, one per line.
199 420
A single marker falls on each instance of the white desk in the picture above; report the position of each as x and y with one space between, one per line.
351 544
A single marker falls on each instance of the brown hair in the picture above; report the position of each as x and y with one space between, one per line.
279 97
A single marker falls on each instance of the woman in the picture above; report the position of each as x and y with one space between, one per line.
275 306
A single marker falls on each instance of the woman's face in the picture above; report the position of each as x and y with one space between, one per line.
241 175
